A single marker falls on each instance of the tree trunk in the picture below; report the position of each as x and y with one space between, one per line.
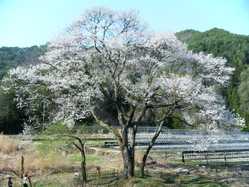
22 167
143 165
128 162
127 152
83 163
83 172
152 142
144 159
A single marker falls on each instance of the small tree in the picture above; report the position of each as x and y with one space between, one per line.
81 147
107 65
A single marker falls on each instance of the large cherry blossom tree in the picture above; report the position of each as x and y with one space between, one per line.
109 66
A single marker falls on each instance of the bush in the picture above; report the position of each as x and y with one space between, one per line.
81 128
57 128
89 129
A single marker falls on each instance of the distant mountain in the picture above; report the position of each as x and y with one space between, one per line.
235 48
13 56
218 42
187 35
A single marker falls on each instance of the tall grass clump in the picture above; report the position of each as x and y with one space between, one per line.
7 145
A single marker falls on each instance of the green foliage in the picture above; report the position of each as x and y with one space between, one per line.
175 122
81 127
11 119
84 128
57 128
235 48
243 92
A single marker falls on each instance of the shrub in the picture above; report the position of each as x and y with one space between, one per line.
57 128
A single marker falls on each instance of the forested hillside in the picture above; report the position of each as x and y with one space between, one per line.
235 48
10 57
13 56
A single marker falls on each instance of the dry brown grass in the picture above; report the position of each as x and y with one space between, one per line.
35 162
7 145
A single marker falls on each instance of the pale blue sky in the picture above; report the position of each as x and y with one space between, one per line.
34 22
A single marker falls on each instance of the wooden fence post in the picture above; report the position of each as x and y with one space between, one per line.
22 167
183 160
225 159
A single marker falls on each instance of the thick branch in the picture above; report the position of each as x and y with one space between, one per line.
129 121
153 140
